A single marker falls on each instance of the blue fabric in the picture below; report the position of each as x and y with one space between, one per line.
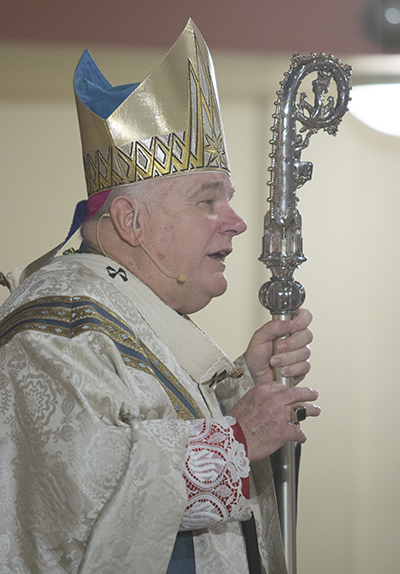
95 91
182 559
78 219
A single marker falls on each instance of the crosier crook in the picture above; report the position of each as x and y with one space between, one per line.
282 242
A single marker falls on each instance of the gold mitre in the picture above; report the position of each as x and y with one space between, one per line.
170 123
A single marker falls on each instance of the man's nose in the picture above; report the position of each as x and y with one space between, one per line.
233 223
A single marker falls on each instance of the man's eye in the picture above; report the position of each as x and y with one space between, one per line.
208 201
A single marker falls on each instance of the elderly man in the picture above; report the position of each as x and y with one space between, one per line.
127 434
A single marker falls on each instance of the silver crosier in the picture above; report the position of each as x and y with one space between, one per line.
296 119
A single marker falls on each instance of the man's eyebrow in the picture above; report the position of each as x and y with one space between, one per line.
210 185
216 185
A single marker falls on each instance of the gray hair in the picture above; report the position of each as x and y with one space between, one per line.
141 193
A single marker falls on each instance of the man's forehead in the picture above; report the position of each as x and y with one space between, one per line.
189 187
194 188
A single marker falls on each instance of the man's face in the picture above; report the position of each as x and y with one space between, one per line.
190 232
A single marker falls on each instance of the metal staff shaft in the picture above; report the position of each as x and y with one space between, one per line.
285 485
282 242
287 507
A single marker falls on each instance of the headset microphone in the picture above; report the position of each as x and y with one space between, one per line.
181 278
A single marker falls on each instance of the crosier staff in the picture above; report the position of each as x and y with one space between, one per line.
282 242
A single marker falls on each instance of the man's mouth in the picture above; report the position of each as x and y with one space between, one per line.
219 255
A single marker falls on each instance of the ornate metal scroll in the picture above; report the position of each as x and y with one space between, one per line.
295 121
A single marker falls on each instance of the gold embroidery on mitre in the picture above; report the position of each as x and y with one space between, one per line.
200 145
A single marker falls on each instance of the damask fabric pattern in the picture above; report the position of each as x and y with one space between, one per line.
93 447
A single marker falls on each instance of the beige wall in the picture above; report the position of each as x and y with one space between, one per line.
349 519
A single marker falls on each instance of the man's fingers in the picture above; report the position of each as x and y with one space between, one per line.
264 413
297 434
295 341
297 371
271 331
293 363
298 395
296 327
291 358
311 410
300 321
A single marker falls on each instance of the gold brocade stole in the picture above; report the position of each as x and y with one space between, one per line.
70 316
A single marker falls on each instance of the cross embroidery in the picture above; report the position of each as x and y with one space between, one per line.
113 273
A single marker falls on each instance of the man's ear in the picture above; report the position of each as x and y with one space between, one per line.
122 212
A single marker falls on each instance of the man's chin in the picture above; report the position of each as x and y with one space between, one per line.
218 286
204 297
217 292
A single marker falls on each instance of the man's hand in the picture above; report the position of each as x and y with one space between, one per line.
292 352
265 412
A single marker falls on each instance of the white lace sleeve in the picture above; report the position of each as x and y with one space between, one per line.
216 473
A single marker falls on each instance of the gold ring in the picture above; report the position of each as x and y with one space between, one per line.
299 414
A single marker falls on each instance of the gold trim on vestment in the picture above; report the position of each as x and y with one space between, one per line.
71 316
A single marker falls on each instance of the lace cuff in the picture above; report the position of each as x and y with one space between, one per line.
216 473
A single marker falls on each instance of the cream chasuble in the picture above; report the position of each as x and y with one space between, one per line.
100 382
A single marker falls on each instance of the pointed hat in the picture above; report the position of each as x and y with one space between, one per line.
170 123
